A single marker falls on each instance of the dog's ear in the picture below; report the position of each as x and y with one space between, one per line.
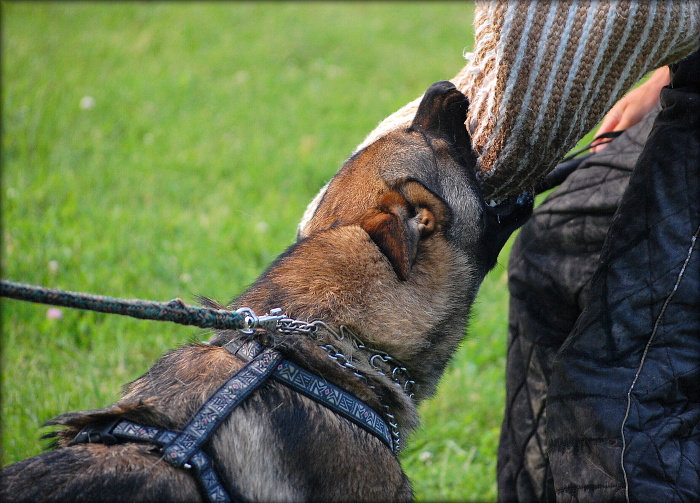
396 228
442 113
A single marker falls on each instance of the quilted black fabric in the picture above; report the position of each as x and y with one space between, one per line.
603 373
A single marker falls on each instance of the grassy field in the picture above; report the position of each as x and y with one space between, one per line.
169 150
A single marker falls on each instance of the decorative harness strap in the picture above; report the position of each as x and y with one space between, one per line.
313 386
122 430
215 410
186 449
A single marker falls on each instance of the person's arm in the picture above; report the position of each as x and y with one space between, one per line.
545 73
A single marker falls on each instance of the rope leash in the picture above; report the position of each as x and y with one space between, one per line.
185 449
175 310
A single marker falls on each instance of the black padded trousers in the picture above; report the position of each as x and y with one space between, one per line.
603 364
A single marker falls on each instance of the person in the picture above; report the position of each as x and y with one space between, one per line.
603 365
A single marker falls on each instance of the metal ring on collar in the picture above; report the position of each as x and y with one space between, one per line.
374 365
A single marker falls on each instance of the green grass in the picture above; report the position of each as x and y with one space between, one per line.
213 125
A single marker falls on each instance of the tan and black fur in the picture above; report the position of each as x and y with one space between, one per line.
395 250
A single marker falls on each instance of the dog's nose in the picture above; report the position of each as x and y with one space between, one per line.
511 213
503 219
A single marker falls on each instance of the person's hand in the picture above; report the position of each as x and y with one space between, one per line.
634 105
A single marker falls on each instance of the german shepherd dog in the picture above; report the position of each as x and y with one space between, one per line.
384 271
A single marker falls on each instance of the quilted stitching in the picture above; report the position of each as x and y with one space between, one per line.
611 348
572 449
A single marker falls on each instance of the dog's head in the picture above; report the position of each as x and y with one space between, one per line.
398 243
435 152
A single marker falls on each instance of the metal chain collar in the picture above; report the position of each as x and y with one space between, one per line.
343 361
380 361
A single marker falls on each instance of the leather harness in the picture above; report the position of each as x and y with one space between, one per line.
186 449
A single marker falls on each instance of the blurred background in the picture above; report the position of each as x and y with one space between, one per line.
169 150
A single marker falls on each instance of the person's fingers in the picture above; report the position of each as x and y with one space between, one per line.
611 122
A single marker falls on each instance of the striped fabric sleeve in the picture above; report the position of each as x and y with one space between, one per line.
542 74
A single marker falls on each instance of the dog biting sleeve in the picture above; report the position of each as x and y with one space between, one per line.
542 74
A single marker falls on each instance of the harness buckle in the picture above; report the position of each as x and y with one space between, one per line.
97 433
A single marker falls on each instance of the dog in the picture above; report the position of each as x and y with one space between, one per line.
376 292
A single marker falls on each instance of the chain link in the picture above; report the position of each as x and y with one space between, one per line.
277 321
343 361
397 372
289 326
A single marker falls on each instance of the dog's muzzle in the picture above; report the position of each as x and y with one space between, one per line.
502 219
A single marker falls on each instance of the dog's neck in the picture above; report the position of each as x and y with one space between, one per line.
349 350
419 322
339 355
